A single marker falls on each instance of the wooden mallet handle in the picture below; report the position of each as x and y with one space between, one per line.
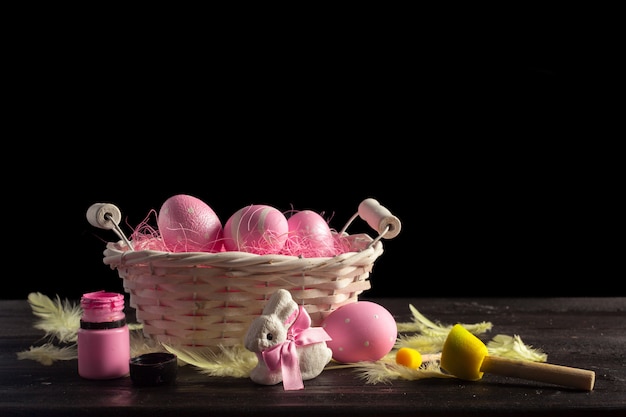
539 371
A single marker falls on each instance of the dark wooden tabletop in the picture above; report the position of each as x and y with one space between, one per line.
586 333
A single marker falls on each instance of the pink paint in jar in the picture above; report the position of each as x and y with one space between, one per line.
103 337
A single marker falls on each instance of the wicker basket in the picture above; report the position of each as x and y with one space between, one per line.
209 299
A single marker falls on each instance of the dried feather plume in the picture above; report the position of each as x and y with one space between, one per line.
48 353
514 348
429 328
235 361
59 319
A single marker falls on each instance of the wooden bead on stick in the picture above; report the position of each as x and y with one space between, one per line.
379 218
465 356
104 215
107 216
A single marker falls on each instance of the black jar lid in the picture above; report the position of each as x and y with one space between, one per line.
150 369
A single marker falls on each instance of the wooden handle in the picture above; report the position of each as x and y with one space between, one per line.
379 218
538 371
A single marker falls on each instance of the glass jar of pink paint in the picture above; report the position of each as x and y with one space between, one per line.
103 337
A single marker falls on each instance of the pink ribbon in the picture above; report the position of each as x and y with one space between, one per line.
284 356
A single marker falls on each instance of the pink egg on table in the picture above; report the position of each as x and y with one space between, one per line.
188 224
309 235
361 331
257 228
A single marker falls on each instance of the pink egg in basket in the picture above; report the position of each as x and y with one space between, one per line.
188 224
257 228
309 235
361 331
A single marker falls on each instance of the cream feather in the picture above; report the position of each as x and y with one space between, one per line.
235 361
420 342
514 348
427 327
386 369
60 319
48 353
140 344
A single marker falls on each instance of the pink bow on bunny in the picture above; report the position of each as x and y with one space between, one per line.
284 356
287 347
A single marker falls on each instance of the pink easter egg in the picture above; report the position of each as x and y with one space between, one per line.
309 235
188 224
361 331
257 228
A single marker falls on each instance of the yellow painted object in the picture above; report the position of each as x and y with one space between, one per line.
408 357
463 354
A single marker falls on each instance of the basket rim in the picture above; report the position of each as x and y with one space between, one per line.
119 253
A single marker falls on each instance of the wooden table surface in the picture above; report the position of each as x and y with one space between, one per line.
586 333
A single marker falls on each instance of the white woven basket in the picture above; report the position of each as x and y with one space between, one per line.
209 299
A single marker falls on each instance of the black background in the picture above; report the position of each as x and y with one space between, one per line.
489 147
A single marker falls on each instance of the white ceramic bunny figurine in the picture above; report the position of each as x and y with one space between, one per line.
287 347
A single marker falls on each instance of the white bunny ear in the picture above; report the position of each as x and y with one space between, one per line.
272 303
281 304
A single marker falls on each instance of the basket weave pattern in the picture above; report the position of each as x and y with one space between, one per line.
209 299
